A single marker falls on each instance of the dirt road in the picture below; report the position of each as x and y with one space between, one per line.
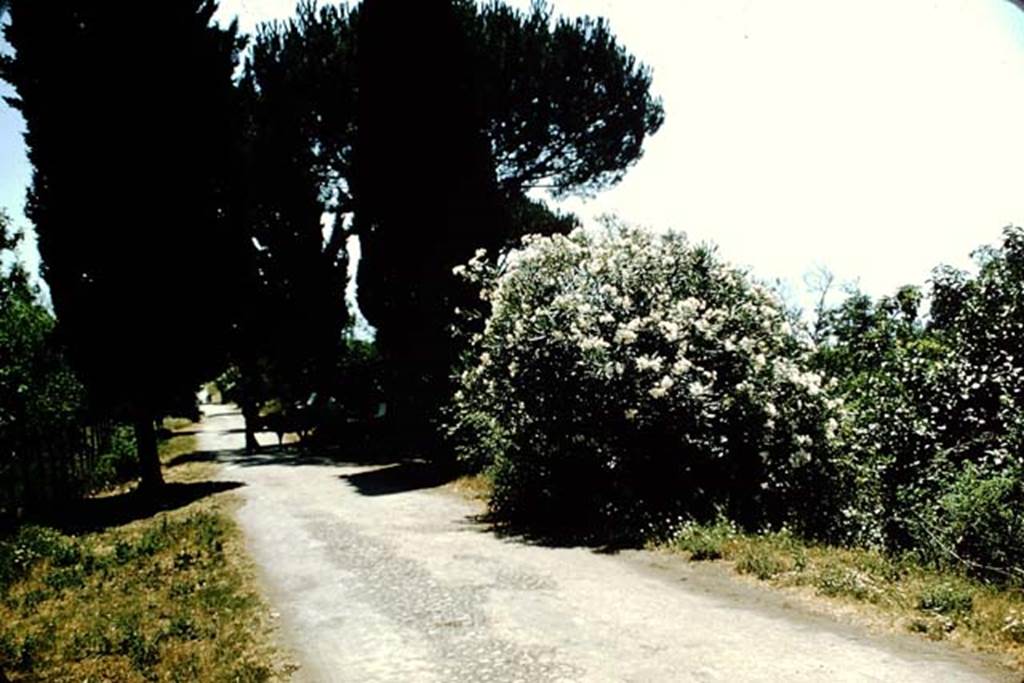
378 576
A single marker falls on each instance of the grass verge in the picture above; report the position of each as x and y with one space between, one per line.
167 597
474 487
895 593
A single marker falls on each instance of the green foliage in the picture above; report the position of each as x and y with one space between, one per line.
704 541
776 553
119 463
627 379
120 244
566 106
506 101
31 545
360 378
838 580
297 95
980 520
47 449
946 599
932 438
450 204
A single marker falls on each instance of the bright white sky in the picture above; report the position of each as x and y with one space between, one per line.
877 138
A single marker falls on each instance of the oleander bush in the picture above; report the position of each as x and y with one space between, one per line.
625 379
634 382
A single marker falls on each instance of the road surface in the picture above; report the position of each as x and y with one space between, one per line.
379 576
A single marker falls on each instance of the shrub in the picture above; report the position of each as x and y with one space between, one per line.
770 554
836 580
704 541
627 378
946 599
935 409
119 463
981 521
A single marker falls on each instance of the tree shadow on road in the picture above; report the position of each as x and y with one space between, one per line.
401 477
103 512
603 541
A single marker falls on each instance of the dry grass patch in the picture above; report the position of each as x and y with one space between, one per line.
167 597
897 593
477 487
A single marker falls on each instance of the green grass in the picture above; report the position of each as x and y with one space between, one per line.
169 597
895 592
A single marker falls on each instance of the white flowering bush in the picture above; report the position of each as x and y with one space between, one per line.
628 378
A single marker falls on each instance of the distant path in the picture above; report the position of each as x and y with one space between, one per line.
376 580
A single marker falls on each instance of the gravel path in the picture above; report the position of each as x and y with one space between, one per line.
378 578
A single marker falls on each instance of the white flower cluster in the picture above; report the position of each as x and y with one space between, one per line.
642 329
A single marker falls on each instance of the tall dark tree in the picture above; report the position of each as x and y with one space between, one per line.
295 77
463 110
425 185
129 129
431 124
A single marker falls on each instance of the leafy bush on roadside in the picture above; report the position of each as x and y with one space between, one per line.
626 378
935 414
119 463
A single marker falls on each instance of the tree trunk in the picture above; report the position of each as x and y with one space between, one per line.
152 478
251 414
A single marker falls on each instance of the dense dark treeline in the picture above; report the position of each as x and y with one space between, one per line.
194 217
131 174
298 95
419 152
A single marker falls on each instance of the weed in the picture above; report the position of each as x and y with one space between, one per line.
32 545
185 670
34 597
182 628
181 589
771 555
123 552
1013 627
946 599
185 559
918 626
62 579
704 542
152 541
836 580
90 643
251 672
142 652
763 565
10 650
